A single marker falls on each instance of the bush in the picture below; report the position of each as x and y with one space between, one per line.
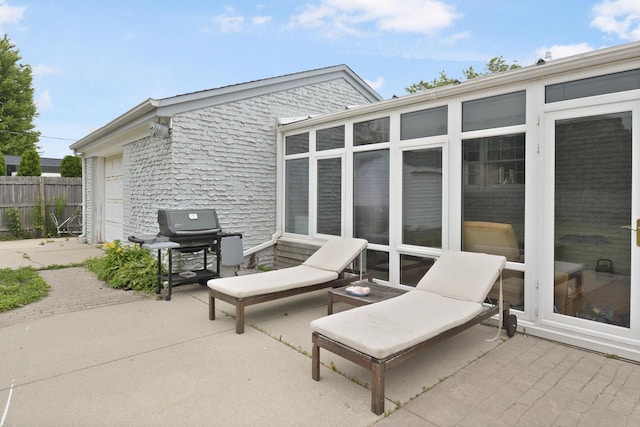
29 164
125 267
13 221
3 165
37 218
71 166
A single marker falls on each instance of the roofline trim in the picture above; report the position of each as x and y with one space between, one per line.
607 56
167 107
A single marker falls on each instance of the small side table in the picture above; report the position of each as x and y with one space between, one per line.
378 293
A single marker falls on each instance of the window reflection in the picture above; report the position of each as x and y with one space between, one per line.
422 197
424 123
371 196
297 144
593 182
329 196
371 131
328 139
495 111
413 268
297 196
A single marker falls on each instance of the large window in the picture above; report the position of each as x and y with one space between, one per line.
422 197
493 200
493 195
297 184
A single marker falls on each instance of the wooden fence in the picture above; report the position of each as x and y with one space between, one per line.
27 192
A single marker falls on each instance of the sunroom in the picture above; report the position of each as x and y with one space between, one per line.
539 164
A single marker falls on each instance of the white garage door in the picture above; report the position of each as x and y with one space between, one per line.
113 199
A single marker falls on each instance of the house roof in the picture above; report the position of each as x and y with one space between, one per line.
47 164
543 70
129 125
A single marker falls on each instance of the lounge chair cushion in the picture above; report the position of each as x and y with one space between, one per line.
389 326
336 254
271 281
465 276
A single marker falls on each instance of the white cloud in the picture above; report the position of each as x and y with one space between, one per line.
39 70
11 14
375 84
260 20
339 17
560 51
229 21
44 100
452 39
620 17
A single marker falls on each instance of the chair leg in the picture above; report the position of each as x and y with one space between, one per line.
239 317
377 388
315 360
212 307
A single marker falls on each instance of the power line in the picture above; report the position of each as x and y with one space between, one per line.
35 133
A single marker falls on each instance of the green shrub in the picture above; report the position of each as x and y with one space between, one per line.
13 221
30 164
125 267
3 165
71 166
20 287
37 218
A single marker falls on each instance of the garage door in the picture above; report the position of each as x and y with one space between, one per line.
113 199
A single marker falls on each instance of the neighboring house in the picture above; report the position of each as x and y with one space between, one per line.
540 164
210 149
49 167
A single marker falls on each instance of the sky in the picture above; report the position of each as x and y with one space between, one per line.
93 61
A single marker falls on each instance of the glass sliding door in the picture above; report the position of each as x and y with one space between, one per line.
592 202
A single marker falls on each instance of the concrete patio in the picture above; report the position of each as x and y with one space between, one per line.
126 359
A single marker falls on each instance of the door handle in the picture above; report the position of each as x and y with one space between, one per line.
636 229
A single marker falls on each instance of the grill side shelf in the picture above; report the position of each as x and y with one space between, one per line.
198 275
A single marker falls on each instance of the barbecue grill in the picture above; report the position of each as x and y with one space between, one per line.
190 231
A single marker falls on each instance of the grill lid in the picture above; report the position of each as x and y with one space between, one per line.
193 223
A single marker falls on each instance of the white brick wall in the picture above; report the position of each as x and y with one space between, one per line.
89 184
223 157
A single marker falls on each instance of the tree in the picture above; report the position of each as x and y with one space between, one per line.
17 106
3 165
71 166
495 65
30 164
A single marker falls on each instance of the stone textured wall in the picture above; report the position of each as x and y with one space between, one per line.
222 157
147 184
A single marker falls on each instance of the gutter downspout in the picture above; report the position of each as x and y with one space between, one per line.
279 195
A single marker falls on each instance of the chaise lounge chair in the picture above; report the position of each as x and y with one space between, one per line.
380 336
324 269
